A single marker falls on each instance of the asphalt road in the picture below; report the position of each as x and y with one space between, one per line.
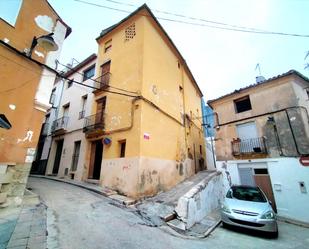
80 219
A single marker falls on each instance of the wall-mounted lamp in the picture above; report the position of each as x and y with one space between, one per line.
45 41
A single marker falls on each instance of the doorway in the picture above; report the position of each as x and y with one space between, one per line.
256 174
95 160
57 157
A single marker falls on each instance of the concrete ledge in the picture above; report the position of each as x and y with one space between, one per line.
201 200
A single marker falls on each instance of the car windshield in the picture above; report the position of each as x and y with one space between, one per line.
245 193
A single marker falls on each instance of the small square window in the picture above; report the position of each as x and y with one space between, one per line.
243 104
107 46
88 73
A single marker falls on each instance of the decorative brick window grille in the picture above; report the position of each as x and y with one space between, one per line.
130 32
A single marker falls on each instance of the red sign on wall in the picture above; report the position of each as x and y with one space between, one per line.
304 160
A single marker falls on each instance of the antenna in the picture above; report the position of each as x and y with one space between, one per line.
259 68
259 78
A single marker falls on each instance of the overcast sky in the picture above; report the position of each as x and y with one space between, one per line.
220 60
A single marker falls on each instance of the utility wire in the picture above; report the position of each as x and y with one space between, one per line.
94 80
60 76
189 17
233 28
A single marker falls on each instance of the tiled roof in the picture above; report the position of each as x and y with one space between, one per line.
260 83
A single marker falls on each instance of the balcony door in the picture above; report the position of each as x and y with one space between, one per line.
248 135
105 73
101 104
247 131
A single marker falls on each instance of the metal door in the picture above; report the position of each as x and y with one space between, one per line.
246 176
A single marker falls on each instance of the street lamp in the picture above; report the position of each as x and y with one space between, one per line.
45 41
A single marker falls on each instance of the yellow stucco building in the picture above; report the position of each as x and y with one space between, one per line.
26 80
145 133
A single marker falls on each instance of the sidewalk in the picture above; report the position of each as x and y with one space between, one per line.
94 188
24 227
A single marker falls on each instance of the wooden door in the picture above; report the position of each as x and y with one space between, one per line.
105 73
264 183
100 110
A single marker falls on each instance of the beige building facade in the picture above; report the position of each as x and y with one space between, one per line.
262 134
144 134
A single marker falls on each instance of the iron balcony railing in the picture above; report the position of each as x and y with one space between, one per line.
45 127
249 146
60 123
94 122
102 82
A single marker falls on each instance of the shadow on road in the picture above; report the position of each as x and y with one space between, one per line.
250 232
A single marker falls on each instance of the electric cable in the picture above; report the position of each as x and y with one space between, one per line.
247 30
94 80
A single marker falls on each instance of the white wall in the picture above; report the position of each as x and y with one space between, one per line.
201 200
210 153
73 95
285 175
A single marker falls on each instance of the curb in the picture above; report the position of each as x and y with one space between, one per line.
112 195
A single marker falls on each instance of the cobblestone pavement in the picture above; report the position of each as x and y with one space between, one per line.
30 230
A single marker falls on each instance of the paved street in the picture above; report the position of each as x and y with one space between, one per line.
77 218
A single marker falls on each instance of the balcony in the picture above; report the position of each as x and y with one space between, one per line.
45 127
94 124
249 146
59 126
102 82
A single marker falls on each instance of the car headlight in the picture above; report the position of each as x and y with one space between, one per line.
225 208
269 215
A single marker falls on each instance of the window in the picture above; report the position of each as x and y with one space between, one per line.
70 83
9 10
201 151
88 73
242 104
108 46
52 97
83 107
261 171
307 90
66 110
122 148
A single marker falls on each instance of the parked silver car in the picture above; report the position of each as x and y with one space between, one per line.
248 207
